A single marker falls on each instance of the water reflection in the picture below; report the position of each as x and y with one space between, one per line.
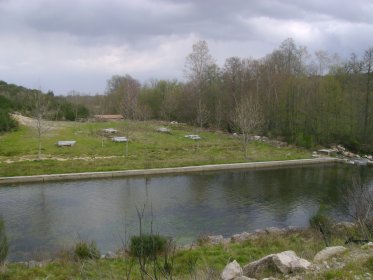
49 216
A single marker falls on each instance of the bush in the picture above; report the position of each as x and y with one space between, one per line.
322 223
3 242
147 246
7 123
84 250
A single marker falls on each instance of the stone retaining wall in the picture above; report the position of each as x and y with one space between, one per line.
159 171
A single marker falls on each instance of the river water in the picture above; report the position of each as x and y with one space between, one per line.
43 218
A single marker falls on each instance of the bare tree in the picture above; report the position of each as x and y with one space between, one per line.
197 67
358 199
40 104
368 68
248 117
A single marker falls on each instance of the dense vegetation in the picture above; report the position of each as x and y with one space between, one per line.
307 99
6 122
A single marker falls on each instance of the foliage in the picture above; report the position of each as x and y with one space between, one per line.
358 200
321 223
308 100
20 99
7 123
202 261
3 242
84 250
147 245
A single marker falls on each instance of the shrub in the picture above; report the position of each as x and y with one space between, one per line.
7 123
322 223
3 242
84 250
147 246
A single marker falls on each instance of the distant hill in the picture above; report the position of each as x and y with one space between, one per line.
28 101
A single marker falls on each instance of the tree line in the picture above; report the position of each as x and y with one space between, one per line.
305 99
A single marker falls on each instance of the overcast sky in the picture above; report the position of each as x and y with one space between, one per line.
65 45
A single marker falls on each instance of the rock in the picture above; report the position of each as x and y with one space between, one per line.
369 245
341 148
274 230
344 225
215 239
329 252
285 262
259 231
243 278
242 236
32 264
110 255
231 271
253 269
163 130
291 229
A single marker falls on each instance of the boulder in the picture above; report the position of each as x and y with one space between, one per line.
231 271
288 262
285 262
255 268
243 278
329 252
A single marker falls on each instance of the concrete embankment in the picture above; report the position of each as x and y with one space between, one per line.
158 171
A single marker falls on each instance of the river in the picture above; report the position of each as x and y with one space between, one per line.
43 218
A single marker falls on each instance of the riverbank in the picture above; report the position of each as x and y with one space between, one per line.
164 171
207 259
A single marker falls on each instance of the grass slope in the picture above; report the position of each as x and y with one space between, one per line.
147 148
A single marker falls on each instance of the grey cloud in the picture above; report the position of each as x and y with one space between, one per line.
119 35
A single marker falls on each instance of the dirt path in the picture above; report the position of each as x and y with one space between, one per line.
30 122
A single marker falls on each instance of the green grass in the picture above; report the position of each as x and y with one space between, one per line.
209 259
147 149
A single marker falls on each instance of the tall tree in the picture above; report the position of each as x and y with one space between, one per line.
368 69
197 66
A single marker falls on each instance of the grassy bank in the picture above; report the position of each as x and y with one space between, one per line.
147 148
207 262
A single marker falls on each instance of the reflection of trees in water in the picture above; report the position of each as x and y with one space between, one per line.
183 205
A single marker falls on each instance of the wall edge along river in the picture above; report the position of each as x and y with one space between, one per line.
159 171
